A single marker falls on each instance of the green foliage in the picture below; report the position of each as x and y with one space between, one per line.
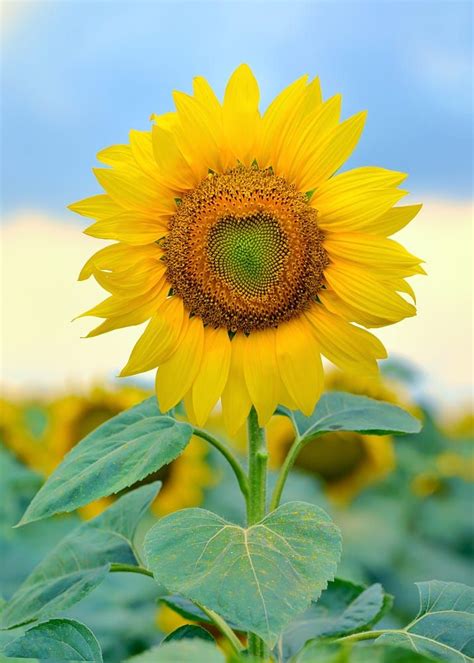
57 640
444 625
80 561
195 650
189 631
258 578
321 652
121 452
342 609
338 411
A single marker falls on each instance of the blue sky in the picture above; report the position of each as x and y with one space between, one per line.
78 75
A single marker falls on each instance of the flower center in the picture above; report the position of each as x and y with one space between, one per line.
244 251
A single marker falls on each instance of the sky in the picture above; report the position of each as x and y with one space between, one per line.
77 76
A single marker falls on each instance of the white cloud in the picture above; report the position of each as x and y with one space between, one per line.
42 348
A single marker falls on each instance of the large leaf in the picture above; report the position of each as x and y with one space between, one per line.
344 608
57 640
341 411
444 625
196 651
80 561
116 455
258 578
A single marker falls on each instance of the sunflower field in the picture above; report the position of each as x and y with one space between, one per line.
271 472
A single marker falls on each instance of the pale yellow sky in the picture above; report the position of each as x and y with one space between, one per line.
43 350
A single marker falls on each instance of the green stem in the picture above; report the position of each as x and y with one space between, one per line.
223 627
256 500
229 456
284 471
218 621
365 635
129 568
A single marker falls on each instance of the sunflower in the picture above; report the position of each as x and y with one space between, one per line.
246 254
345 462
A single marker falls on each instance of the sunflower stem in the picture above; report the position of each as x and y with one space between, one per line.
229 456
256 500
288 463
129 568
223 627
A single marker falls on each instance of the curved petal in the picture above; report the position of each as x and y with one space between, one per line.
347 346
240 115
261 372
141 144
236 401
299 363
395 219
133 228
175 377
213 373
331 153
384 256
160 338
133 189
96 207
353 200
362 291
172 166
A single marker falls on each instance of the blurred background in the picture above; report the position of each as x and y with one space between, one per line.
76 77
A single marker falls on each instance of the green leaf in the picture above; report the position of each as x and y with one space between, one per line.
57 640
341 411
326 652
80 561
116 455
195 650
258 578
189 631
344 608
444 625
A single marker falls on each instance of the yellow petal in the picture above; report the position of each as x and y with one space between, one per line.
364 292
261 372
299 363
236 401
395 219
302 141
133 189
385 256
339 307
130 227
96 207
173 167
347 346
137 280
240 115
196 135
159 340
117 155
141 145
118 257
117 305
355 199
175 377
331 153
277 119
213 372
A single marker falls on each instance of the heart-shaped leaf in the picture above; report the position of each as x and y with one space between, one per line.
116 455
195 650
258 578
341 411
342 609
444 625
80 561
57 640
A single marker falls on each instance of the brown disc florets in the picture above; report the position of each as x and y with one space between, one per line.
244 251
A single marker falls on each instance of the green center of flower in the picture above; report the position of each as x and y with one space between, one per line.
249 252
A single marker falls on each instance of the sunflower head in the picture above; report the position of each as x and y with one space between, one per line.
245 252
